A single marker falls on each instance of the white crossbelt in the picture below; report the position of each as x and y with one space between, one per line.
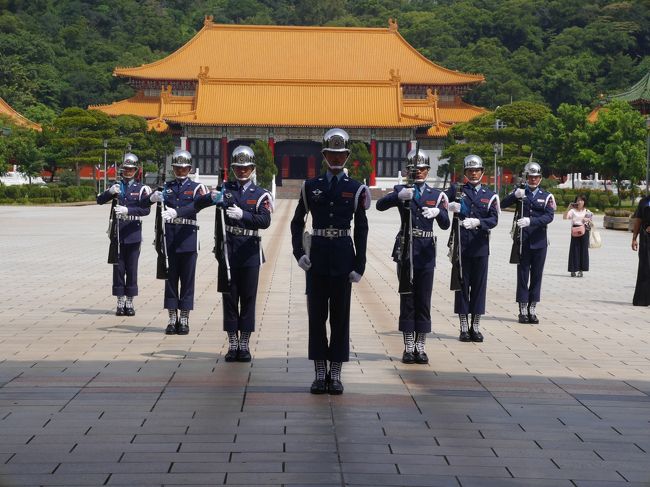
241 231
331 232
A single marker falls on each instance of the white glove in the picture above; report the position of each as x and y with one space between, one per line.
216 195
121 210
454 207
405 194
355 276
523 222
115 189
235 212
520 193
304 263
471 223
169 214
430 213
156 197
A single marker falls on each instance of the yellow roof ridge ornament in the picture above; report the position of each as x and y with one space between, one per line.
208 20
203 72
392 25
432 98
394 76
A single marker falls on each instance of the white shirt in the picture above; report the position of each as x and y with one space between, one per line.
578 217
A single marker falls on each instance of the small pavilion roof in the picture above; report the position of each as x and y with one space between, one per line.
266 52
6 109
639 93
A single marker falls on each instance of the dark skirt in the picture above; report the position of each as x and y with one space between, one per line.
642 290
579 253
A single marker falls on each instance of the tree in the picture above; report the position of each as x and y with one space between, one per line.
618 142
79 137
265 167
359 165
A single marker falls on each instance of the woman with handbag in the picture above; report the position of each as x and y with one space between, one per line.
581 219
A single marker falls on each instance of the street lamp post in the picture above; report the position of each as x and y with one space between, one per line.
105 178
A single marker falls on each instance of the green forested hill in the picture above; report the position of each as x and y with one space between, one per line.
60 53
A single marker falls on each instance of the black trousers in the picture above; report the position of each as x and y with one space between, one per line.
125 272
329 295
239 303
579 253
471 298
642 289
415 308
182 269
529 275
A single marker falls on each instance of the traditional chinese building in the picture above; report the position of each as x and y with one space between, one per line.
232 84
638 96
17 118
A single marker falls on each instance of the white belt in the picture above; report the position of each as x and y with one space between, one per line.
331 232
416 232
183 221
130 218
241 231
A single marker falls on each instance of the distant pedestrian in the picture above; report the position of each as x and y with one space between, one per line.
641 231
581 219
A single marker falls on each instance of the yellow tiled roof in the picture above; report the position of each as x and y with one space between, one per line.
285 52
459 111
148 107
298 103
5 109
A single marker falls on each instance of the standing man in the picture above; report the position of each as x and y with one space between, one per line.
128 195
246 210
181 232
422 204
478 211
538 211
641 230
334 261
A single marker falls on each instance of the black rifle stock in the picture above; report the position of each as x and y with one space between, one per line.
221 249
114 235
516 232
455 249
162 260
405 262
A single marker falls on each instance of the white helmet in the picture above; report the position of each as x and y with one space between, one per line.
130 161
181 158
532 169
336 140
242 156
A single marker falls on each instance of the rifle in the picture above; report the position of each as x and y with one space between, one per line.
220 250
405 262
113 234
515 232
455 249
160 242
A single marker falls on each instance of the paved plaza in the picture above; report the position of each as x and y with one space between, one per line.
91 399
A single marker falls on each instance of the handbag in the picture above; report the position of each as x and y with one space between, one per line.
595 240
577 231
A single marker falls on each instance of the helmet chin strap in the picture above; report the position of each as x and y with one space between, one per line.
337 168
243 180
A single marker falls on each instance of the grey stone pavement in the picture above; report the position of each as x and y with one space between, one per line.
89 399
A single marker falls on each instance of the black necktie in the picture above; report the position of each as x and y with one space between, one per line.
333 184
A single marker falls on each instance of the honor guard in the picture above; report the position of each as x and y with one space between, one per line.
478 209
126 232
538 211
421 204
243 209
181 237
333 257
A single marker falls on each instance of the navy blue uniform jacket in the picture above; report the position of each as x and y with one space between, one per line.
540 209
130 196
424 251
333 256
256 202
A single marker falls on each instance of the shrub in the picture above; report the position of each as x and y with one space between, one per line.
41 201
613 199
14 192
